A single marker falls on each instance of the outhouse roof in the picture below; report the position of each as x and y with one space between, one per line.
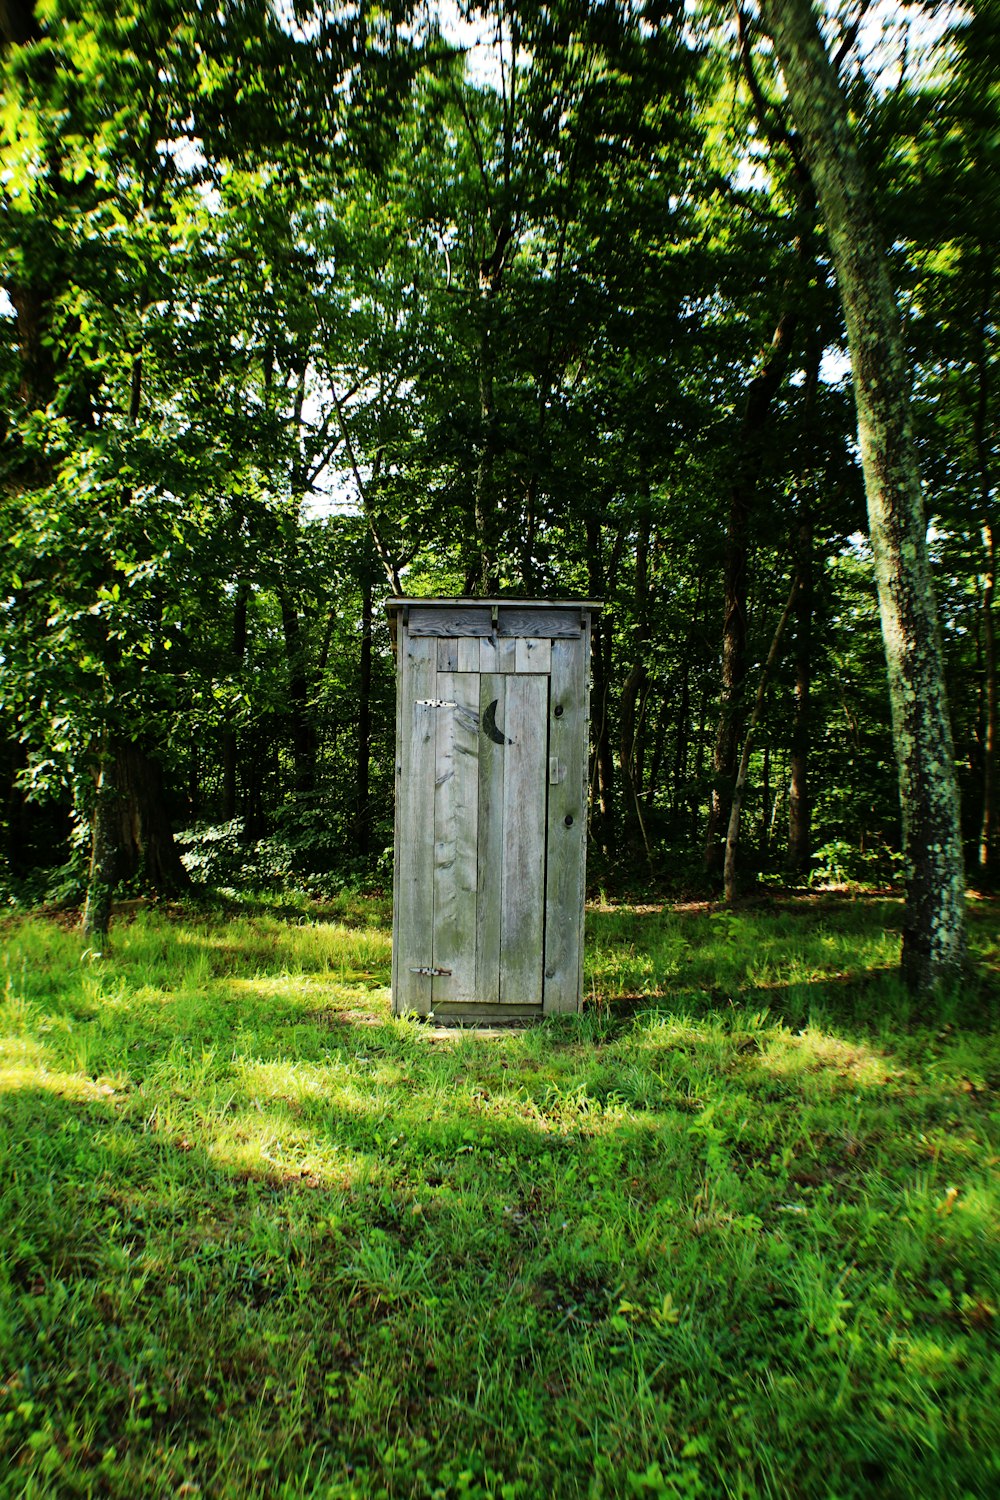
505 616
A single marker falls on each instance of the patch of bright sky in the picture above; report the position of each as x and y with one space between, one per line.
483 40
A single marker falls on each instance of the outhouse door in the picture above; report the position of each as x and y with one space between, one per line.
480 762
491 811
491 743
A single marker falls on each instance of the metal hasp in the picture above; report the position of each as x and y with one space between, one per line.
492 736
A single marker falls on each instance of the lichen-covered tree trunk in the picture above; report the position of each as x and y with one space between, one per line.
934 920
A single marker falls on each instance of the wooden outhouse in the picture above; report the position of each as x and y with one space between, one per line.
492 707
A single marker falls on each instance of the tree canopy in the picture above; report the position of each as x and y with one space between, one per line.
304 306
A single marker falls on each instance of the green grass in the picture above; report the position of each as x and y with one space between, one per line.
731 1232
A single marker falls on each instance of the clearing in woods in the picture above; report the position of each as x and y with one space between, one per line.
731 1231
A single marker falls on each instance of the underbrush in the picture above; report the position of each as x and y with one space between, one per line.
730 1232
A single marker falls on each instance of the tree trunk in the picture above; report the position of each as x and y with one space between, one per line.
302 735
934 915
362 824
485 513
603 777
145 836
105 856
632 688
981 438
733 831
765 806
230 747
131 835
799 804
750 453
988 827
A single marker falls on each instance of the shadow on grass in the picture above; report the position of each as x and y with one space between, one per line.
340 1253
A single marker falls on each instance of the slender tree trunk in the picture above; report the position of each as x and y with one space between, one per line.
230 747
682 741
988 827
362 823
750 454
799 804
302 734
934 916
600 664
604 761
775 814
981 438
484 498
656 753
733 831
105 855
765 806
632 688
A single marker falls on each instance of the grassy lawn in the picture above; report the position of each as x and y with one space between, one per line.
731 1232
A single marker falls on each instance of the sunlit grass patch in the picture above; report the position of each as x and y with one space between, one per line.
727 1232
811 1050
71 1086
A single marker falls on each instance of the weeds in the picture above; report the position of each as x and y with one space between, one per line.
730 1232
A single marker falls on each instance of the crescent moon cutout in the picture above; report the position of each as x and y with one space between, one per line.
490 725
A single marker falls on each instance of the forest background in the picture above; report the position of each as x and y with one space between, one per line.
307 307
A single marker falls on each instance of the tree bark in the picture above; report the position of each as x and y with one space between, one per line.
799 801
13 760
629 720
105 856
302 735
988 826
362 823
230 747
145 834
750 453
603 771
981 438
733 831
934 915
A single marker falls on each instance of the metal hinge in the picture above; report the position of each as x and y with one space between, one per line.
434 973
435 703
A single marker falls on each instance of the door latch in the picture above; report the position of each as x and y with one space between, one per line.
434 973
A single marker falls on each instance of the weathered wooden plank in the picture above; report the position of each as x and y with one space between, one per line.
522 896
477 620
566 826
468 653
447 654
496 654
492 694
532 654
455 814
477 1012
440 620
556 624
414 916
